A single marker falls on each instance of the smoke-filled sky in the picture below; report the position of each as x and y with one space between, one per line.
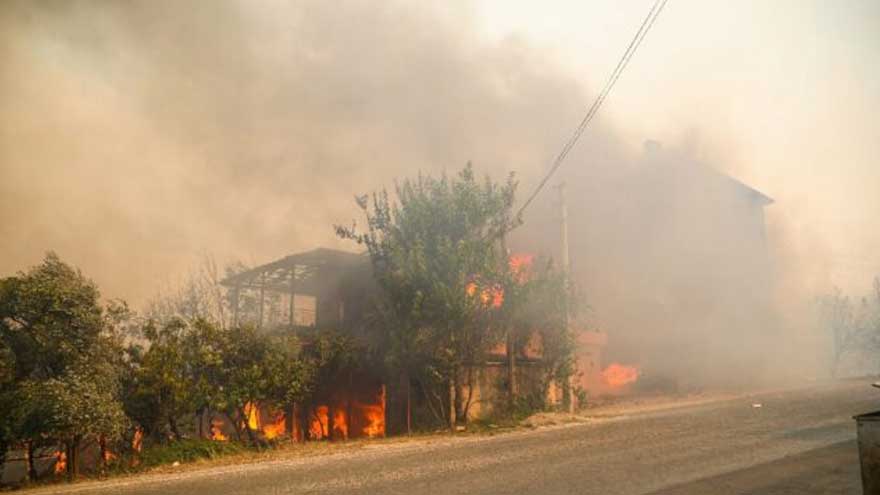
135 136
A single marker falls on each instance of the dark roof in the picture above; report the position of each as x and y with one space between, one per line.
753 193
672 160
307 270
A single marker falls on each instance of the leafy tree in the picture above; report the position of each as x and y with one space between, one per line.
160 389
77 405
245 375
51 318
538 302
854 326
429 245
203 346
60 356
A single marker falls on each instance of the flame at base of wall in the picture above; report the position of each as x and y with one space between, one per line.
618 375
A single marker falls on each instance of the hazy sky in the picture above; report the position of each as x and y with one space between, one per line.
783 94
135 135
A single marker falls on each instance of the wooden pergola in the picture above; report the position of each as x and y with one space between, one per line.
318 273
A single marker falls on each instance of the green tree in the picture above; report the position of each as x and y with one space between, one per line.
60 358
538 302
434 254
245 376
160 389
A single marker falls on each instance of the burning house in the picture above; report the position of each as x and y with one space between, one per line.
674 260
321 288
329 289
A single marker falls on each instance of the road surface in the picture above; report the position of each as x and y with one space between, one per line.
798 441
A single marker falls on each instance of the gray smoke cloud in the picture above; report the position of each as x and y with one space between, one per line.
136 135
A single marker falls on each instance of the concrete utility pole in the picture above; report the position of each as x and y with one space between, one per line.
510 344
564 230
563 210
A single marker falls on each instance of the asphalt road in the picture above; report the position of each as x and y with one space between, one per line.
799 441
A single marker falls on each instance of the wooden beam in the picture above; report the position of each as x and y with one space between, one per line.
236 290
262 299
293 300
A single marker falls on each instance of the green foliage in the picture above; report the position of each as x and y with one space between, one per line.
187 450
196 366
71 407
159 388
538 300
434 255
60 358
50 318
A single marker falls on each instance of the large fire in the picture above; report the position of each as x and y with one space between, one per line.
340 423
351 417
252 416
617 375
276 428
375 417
318 426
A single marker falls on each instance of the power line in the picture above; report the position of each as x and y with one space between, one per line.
597 103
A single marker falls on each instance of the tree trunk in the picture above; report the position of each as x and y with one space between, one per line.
31 468
470 394
200 419
429 396
4 449
102 446
331 421
68 452
73 458
304 415
348 404
459 398
236 426
511 369
247 427
290 422
172 423
451 406
408 386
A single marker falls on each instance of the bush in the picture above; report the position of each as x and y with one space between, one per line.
188 450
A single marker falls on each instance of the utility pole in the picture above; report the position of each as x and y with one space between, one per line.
566 265
510 344
563 207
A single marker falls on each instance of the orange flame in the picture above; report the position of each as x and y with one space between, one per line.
340 423
137 441
275 428
492 296
318 424
217 431
374 415
520 265
617 375
252 415
60 462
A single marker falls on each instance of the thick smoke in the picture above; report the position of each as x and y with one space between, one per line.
136 135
